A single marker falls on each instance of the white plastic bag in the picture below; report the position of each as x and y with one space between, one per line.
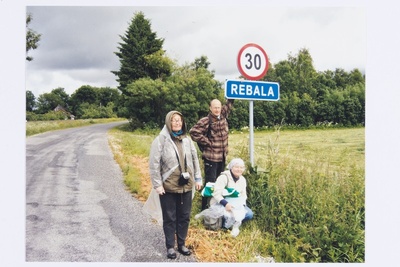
212 217
215 211
235 217
238 203
153 206
232 219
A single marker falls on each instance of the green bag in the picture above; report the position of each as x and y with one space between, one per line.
230 192
208 190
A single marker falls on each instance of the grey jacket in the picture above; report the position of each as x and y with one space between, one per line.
164 164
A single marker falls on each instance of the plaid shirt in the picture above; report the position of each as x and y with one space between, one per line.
216 144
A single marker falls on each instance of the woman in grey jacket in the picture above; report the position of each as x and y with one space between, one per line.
175 173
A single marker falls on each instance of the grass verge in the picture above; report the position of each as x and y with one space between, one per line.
37 127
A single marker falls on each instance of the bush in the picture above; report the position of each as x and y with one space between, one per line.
92 111
49 116
31 116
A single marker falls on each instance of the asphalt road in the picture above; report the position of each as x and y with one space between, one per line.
77 207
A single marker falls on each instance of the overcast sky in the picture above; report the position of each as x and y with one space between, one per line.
78 43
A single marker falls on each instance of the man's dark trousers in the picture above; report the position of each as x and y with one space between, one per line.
211 171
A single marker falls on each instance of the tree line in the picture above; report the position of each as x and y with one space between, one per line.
151 84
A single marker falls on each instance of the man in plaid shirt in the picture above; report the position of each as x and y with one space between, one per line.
211 135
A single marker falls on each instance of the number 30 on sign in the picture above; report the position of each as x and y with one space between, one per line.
252 61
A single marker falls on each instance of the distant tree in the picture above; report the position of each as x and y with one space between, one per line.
201 62
92 111
32 38
160 64
307 110
354 104
240 115
268 113
106 95
48 102
341 78
192 89
285 76
84 94
189 90
324 83
95 102
30 101
326 110
292 101
356 77
139 54
297 73
146 103
65 98
309 97
305 73
271 74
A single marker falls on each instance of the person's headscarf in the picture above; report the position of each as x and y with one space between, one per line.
236 161
168 123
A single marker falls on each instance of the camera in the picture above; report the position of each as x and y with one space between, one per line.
184 178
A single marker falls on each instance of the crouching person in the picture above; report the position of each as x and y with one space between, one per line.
230 192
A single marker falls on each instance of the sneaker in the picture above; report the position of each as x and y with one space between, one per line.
235 232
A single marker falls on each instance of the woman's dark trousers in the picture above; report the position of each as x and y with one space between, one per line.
176 210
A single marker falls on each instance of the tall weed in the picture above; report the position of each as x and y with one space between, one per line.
313 209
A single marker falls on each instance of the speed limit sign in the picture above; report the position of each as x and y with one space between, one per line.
252 61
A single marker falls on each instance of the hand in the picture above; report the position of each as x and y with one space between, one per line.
198 186
160 190
228 207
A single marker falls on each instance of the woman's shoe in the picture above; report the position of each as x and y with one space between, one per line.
171 254
184 251
235 231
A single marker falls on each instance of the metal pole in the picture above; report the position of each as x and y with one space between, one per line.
251 150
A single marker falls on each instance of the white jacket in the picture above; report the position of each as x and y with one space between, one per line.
226 180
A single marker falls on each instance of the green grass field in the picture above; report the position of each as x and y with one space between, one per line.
338 148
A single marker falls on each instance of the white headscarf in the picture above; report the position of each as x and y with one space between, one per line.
236 161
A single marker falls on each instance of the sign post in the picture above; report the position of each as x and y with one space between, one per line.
251 90
252 62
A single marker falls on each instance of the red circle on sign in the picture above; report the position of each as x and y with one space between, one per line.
247 74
